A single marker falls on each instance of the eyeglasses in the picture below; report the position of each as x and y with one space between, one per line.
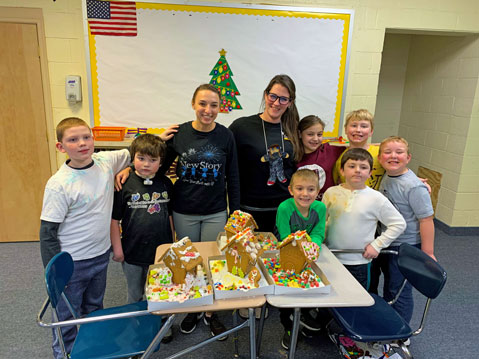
282 100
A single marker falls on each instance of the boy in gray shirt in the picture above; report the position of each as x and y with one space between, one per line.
411 197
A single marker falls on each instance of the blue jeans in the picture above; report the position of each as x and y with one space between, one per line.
85 291
360 272
392 283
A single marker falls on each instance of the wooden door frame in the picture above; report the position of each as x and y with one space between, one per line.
35 16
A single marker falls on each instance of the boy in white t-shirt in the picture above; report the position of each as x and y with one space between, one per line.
353 211
76 215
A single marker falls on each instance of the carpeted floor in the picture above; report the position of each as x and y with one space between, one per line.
450 332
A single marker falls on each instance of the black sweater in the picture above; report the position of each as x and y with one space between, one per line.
207 170
250 142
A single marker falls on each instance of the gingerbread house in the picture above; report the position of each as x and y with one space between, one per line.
297 250
241 252
237 222
182 258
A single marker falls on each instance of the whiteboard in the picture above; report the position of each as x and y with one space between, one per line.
147 80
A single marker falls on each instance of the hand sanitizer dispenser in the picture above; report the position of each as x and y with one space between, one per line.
73 88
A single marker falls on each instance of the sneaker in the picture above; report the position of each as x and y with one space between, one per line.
168 337
308 321
243 313
188 324
286 341
407 343
216 327
305 332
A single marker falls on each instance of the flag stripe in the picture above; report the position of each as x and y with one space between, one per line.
116 33
123 13
112 23
114 28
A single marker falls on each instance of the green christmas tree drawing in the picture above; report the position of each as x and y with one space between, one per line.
222 79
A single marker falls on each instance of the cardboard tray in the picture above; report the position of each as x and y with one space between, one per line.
280 290
154 306
221 238
266 284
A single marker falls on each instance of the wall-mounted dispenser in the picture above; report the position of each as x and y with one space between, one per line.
73 88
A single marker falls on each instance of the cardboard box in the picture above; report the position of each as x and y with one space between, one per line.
154 306
265 285
279 290
221 238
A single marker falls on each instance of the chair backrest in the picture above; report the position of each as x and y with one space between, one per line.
57 274
423 272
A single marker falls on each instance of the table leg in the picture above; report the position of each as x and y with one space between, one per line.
156 340
260 329
294 333
235 335
252 333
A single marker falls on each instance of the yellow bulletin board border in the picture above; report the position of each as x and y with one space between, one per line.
240 9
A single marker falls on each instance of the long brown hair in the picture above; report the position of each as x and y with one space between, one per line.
290 117
202 87
304 124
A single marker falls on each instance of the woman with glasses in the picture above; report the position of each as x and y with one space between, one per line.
265 143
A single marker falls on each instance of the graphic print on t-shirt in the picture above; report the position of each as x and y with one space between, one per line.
152 205
200 166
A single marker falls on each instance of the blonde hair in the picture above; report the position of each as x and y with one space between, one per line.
306 175
360 115
67 123
394 139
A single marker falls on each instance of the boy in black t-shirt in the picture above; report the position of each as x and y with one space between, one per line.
142 210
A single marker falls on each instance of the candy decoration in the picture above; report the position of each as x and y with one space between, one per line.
306 279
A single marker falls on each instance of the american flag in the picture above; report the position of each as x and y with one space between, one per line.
113 18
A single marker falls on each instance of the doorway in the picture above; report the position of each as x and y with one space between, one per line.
24 139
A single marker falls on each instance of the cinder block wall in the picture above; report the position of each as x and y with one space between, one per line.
66 49
441 81
391 86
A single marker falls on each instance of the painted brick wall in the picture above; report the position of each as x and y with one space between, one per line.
436 114
66 53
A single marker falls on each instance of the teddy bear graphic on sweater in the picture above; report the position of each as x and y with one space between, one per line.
275 159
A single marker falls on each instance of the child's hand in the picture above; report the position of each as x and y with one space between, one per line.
118 257
431 255
428 186
169 132
121 177
370 252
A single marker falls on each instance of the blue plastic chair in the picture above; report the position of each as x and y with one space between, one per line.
115 332
380 323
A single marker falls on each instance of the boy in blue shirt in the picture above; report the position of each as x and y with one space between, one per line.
302 212
411 197
76 218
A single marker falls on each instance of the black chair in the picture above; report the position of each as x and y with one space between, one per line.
116 332
380 323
